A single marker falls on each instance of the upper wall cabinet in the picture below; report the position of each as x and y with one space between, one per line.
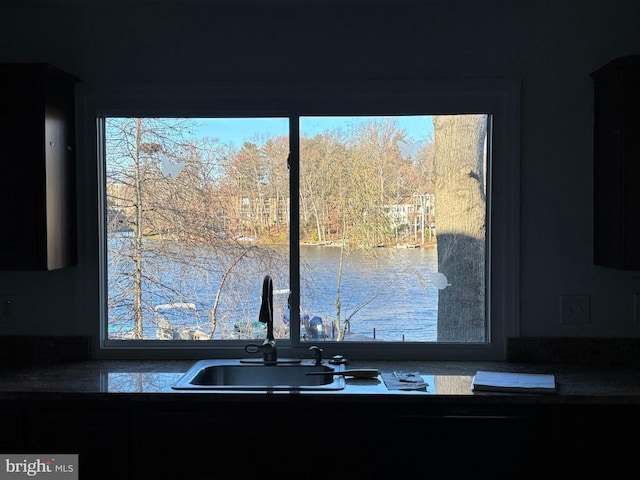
37 167
616 223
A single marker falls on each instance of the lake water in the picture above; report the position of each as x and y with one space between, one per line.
402 300
389 297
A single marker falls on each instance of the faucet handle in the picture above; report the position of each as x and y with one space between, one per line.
318 353
268 350
266 347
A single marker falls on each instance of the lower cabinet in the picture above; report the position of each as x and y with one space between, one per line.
100 438
590 440
189 445
11 432
252 441
453 445
303 437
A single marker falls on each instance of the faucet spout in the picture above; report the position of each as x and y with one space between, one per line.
266 316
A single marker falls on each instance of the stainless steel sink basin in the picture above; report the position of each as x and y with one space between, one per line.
239 375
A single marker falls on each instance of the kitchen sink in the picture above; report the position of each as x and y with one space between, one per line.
258 375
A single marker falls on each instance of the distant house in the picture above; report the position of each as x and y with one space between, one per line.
413 216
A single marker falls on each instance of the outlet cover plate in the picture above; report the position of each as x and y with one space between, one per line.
575 309
636 307
7 308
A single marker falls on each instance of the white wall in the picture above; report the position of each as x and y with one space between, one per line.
552 46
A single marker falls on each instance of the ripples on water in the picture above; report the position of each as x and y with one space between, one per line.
392 293
402 300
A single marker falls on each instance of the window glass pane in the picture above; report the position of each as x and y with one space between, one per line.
393 228
197 212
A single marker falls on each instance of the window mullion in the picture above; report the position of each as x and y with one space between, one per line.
294 227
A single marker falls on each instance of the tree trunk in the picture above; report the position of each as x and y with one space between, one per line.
138 232
461 225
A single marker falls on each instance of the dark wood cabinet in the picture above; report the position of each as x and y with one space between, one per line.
100 438
37 167
247 438
616 220
460 443
252 441
11 434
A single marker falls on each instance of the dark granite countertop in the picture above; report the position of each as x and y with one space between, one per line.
448 382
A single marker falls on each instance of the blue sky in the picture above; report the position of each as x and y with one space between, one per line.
238 130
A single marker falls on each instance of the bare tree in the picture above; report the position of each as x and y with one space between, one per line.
135 148
276 153
168 188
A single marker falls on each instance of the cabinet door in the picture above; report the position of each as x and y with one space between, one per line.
100 438
177 445
590 441
458 445
252 441
11 438
37 162
617 164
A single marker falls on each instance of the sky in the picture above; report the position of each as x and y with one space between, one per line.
238 130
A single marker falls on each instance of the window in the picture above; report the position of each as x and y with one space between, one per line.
197 214
383 220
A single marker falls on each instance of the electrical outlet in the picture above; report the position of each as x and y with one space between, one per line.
7 306
575 309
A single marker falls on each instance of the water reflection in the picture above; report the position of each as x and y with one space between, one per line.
140 382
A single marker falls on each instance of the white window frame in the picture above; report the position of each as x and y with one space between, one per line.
500 98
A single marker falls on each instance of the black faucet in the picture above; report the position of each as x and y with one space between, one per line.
268 347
